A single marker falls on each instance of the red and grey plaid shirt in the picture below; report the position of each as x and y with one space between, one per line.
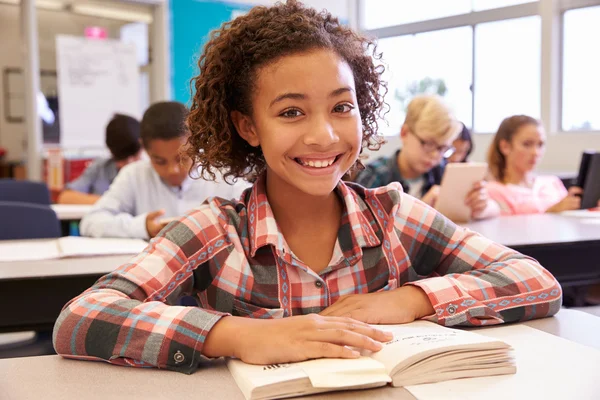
229 257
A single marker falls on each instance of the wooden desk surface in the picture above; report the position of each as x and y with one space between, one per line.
61 267
537 229
52 377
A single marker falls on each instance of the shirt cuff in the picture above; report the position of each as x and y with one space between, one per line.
182 350
138 227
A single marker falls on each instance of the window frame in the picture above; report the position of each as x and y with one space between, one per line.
551 13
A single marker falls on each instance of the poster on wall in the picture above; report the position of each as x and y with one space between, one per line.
96 79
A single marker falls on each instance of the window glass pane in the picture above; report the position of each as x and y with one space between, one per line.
507 71
381 13
581 66
479 5
438 62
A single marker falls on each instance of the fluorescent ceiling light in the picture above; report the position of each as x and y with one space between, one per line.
44 4
111 13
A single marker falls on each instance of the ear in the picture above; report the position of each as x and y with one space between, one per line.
245 127
404 131
504 147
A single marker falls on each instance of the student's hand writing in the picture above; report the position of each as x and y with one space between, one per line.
291 339
431 196
397 306
153 225
571 202
477 199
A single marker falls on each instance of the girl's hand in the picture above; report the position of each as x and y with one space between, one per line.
291 339
397 306
571 202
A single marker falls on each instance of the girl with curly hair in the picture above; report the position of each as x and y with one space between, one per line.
287 97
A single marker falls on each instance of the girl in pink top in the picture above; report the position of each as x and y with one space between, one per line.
513 155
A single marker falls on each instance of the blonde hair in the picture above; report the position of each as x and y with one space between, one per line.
430 114
506 131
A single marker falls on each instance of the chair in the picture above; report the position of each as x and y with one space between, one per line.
24 191
27 221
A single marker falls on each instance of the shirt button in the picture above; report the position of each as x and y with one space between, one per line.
451 309
179 357
319 284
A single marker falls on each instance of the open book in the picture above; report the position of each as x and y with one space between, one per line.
421 352
68 246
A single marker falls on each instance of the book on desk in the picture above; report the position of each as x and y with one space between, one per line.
67 246
421 352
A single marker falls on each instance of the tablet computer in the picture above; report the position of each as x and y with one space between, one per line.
590 181
457 182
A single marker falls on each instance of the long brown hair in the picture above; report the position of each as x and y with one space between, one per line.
506 131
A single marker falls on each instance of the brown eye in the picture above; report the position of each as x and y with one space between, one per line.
343 108
291 113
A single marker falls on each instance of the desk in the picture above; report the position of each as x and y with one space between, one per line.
567 247
41 288
51 377
70 212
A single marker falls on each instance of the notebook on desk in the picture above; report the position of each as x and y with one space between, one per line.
421 352
68 246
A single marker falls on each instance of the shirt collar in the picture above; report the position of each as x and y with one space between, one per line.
359 227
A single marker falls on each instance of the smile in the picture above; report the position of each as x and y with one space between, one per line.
317 162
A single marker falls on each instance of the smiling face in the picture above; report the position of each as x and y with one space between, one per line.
306 120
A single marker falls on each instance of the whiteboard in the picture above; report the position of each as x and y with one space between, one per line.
96 79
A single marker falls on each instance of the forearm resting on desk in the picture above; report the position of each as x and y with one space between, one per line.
75 197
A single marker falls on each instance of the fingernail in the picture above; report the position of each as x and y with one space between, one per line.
355 353
378 345
389 335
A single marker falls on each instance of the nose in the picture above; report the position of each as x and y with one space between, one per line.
174 168
321 133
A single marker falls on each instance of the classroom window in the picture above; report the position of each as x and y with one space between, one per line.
507 71
433 62
480 5
383 13
581 66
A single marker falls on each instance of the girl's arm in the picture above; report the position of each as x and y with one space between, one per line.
469 279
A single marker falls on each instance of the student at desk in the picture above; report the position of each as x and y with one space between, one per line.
297 266
463 146
123 142
145 192
427 136
513 156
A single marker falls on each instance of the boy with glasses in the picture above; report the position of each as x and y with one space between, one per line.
427 136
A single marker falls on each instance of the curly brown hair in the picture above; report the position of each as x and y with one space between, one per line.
228 70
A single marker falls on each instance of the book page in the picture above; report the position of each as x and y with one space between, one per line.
419 337
29 250
249 377
75 246
345 373
548 367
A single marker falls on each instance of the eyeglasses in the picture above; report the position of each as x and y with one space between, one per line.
430 146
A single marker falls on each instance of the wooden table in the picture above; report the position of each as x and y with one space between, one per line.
51 377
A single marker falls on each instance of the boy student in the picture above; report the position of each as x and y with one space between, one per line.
146 192
296 268
427 136
123 142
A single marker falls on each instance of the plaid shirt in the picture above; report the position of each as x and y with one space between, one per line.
384 171
230 258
